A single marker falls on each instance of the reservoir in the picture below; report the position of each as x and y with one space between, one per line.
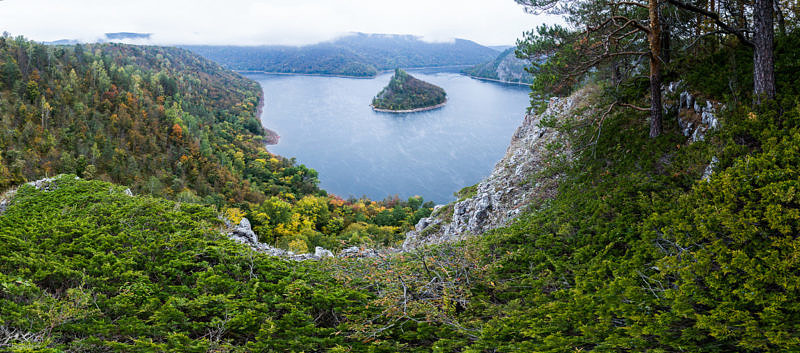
326 123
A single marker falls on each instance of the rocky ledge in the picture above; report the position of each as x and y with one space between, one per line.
517 182
243 233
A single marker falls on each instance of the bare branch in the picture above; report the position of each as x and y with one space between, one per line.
641 109
717 20
628 21
629 3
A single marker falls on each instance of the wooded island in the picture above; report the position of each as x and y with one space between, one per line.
407 94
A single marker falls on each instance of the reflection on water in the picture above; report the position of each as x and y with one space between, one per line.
327 124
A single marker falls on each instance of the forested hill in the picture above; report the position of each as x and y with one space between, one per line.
405 93
167 122
162 120
358 54
505 67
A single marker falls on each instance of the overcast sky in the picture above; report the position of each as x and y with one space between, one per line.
253 22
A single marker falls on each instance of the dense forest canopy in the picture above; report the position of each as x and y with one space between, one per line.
405 92
161 120
169 123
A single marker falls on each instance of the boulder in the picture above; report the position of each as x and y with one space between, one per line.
46 184
321 252
243 233
356 252
4 205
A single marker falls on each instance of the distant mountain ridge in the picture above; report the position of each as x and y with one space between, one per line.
358 54
127 35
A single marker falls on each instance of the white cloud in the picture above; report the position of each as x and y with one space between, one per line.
253 22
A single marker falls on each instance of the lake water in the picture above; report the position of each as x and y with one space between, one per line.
327 124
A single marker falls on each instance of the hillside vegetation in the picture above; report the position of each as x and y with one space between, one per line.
85 267
636 252
167 122
505 67
405 92
358 54
161 120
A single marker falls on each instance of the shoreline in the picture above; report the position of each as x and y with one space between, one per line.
428 67
300 74
271 137
496 80
380 72
415 110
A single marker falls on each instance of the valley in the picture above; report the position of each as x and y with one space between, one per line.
328 125
624 179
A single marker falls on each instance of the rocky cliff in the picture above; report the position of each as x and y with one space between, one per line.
518 181
522 178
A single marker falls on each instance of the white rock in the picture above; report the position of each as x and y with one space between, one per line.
686 101
709 171
3 205
321 252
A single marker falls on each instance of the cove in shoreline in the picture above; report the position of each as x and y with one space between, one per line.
271 137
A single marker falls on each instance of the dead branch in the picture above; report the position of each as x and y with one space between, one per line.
641 109
717 20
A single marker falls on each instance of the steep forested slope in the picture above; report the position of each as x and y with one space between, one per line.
161 120
505 67
167 122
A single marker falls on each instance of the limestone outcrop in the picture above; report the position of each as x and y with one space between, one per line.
516 183
696 116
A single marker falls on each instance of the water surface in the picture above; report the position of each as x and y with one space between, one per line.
327 124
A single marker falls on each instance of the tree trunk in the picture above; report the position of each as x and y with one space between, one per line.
666 43
763 57
616 78
655 69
